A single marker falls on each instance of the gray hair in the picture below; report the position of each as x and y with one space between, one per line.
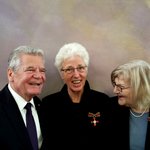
14 57
69 50
137 72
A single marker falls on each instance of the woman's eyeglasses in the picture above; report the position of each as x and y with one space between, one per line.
120 87
70 70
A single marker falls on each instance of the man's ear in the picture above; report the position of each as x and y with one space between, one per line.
10 75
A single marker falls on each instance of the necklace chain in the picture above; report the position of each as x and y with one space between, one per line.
137 116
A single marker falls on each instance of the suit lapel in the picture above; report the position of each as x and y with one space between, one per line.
37 103
14 116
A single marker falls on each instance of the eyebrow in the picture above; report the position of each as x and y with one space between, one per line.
119 84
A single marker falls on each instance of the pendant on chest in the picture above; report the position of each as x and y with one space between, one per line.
94 117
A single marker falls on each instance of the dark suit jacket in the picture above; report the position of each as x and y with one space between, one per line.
13 133
120 125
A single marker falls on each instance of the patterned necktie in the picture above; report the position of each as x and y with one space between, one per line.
31 126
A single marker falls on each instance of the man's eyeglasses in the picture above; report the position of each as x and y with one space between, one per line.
70 70
120 87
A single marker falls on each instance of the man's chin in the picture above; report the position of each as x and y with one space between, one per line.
36 93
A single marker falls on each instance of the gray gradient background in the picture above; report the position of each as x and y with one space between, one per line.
113 31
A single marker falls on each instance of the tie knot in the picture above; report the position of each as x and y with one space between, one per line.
28 106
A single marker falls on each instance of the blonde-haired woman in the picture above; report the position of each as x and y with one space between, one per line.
131 82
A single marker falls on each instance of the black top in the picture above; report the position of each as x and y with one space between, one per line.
77 125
